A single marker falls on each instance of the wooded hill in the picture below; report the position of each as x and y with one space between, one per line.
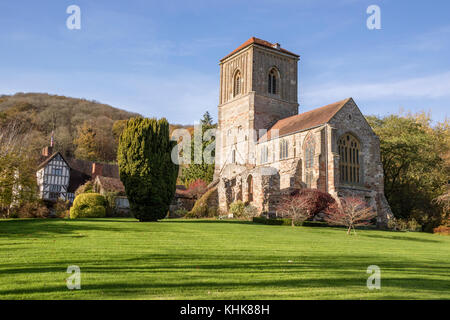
84 129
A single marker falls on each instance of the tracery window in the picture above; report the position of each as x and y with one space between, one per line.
349 149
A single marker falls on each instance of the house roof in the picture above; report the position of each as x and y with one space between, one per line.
304 120
260 42
110 184
81 170
45 161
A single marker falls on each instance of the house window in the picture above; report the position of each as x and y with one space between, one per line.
284 149
272 81
55 188
349 148
57 171
237 84
264 154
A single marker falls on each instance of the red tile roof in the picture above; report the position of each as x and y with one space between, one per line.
305 120
260 42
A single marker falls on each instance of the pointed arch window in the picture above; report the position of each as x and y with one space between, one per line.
309 161
349 149
272 81
237 81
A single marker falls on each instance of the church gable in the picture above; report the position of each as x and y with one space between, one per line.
350 118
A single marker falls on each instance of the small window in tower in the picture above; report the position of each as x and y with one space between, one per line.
272 82
237 83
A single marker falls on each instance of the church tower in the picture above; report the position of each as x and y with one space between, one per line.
258 87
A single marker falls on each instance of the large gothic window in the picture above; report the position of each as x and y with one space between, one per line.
309 161
237 83
349 148
272 87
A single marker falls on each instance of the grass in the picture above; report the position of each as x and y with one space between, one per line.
208 259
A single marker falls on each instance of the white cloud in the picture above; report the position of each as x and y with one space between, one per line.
428 87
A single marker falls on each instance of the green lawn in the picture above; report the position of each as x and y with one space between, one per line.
206 259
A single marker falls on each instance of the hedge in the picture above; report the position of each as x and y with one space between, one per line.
88 205
288 222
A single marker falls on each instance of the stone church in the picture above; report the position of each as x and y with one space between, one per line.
266 149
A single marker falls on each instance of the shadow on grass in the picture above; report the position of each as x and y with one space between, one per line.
47 227
201 221
240 272
397 237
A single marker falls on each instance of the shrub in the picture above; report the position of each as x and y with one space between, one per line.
88 205
61 208
88 187
202 207
212 212
314 201
34 209
179 213
197 188
237 208
445 230
250 211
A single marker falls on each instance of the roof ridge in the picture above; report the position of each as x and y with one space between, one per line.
300 122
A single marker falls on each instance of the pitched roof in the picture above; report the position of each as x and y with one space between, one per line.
305 120
260 42
45 160
110 184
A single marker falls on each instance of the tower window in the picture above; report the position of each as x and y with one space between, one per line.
237 84
272 83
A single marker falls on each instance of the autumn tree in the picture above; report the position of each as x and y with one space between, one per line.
86 147
416 165
350 212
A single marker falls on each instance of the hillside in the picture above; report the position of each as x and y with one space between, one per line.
82 128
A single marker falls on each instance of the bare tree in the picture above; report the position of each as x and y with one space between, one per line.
350 212
294 207
17 177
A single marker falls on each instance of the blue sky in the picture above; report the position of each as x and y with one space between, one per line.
160 58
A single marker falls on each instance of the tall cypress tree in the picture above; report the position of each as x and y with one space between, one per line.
146 168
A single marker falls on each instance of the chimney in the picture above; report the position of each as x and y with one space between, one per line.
47 151
97 170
